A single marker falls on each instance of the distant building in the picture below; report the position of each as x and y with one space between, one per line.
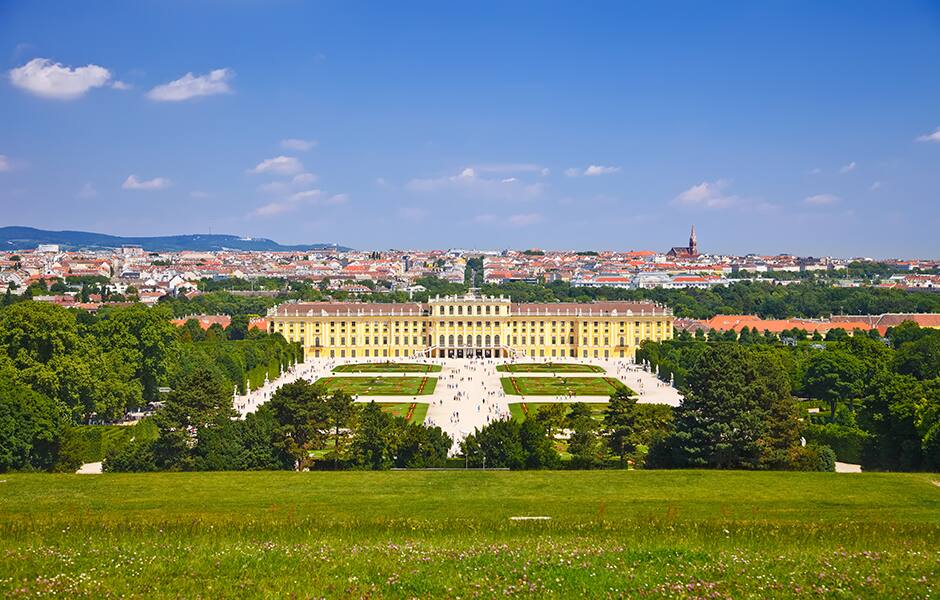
48 248
471 325
690 251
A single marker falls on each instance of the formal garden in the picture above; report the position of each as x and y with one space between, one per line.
561 386
379 386
549 367
387 367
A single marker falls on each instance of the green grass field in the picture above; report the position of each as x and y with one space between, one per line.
672 534
387 367
380 386
400 409
515 409
548 368
561 386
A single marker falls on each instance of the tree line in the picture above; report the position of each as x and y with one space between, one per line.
63 367
878 401
302 427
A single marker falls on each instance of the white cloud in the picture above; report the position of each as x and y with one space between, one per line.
199 194
4 163
120 85
822 199
303 178
157 183
471 184
876 186
508 168
299 200
298 144
87 192
190 86
708 194
815 171
484 218
47 79
279 165
591 171
594 170
929 137
848 168
524 220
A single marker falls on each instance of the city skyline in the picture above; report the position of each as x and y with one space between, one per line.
805 129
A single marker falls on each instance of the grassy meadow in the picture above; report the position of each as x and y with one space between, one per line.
667 534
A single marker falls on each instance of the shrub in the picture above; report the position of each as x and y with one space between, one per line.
846 442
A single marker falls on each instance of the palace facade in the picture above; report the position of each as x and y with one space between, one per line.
471 325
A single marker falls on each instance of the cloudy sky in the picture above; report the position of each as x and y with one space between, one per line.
804 127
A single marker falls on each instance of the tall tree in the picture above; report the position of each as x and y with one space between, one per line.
374 444
620 424
728 418
834 375
300 409
340 413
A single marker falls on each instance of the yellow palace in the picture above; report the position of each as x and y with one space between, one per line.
471 326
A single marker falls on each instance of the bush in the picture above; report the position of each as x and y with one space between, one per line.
813 457
135 457
846 442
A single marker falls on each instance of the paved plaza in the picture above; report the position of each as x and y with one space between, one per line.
468 393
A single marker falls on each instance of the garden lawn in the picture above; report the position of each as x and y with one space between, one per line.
561 386
515 409
380 386
387 367
666 534
401 409
548 368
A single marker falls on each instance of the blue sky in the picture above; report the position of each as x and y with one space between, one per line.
803 127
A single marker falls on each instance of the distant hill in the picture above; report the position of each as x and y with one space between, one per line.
26 238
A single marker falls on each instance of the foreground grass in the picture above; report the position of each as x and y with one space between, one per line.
387 367
380 386
561 386
448 534
548 368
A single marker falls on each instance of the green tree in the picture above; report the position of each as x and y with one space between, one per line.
584 445
833 375
620 424
300 410
728 418
200 401
340 413
31 426
920 357
374 444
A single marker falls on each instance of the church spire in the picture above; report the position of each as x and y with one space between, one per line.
693 243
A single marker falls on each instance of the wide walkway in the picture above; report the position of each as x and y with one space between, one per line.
469 393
